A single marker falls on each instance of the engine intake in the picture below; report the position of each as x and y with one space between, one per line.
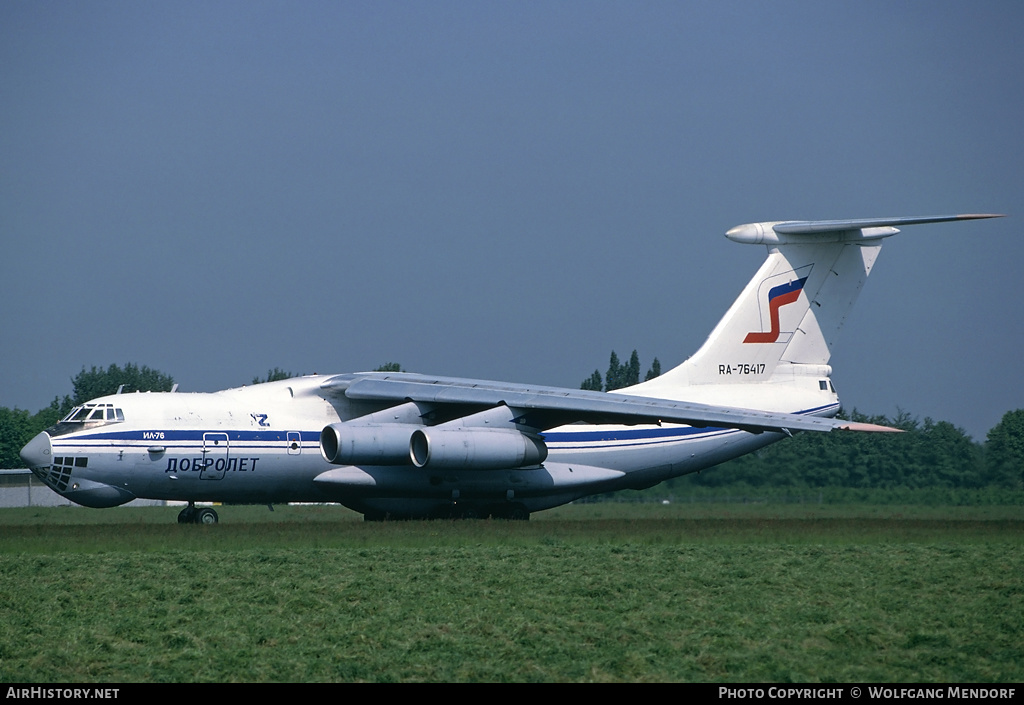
370 444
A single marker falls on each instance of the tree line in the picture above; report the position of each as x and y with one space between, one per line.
929 454
620 374
18 426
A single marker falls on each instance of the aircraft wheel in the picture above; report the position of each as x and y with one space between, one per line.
518 512
512 512
187 515
206 516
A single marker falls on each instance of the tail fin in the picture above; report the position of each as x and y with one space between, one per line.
788 317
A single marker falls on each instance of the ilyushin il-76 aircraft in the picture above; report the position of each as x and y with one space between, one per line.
407 445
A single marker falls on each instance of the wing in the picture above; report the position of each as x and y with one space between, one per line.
547 407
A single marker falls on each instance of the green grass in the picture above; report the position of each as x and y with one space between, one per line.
741 593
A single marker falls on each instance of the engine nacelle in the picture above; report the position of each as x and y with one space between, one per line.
487 440
474 448
366 444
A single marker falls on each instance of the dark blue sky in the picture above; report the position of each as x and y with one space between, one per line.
499 190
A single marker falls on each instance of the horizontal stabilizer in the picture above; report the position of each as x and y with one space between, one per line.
807 227
773 233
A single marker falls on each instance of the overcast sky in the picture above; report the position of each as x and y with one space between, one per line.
505 190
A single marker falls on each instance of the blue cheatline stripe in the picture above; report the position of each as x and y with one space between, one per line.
194 435
631 434
649 434
607 444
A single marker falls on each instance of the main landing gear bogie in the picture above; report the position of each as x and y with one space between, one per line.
197 515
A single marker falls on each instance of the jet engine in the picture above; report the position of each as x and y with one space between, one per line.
369 444
489 440
475 449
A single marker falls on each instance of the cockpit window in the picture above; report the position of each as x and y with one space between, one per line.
87 416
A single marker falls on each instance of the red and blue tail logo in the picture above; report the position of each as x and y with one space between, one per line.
778 296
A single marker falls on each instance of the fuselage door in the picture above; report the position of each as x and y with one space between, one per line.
215 456
294 443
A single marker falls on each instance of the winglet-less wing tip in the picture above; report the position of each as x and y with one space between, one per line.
869 427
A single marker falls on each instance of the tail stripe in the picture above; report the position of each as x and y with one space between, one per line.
778 297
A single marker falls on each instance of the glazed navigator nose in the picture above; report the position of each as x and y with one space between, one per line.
37 452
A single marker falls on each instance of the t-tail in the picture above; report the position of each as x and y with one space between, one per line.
782 328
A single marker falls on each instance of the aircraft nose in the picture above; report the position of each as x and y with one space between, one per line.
37 452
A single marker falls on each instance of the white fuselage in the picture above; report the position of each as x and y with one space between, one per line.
260 444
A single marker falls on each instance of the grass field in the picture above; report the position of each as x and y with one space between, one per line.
598 592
